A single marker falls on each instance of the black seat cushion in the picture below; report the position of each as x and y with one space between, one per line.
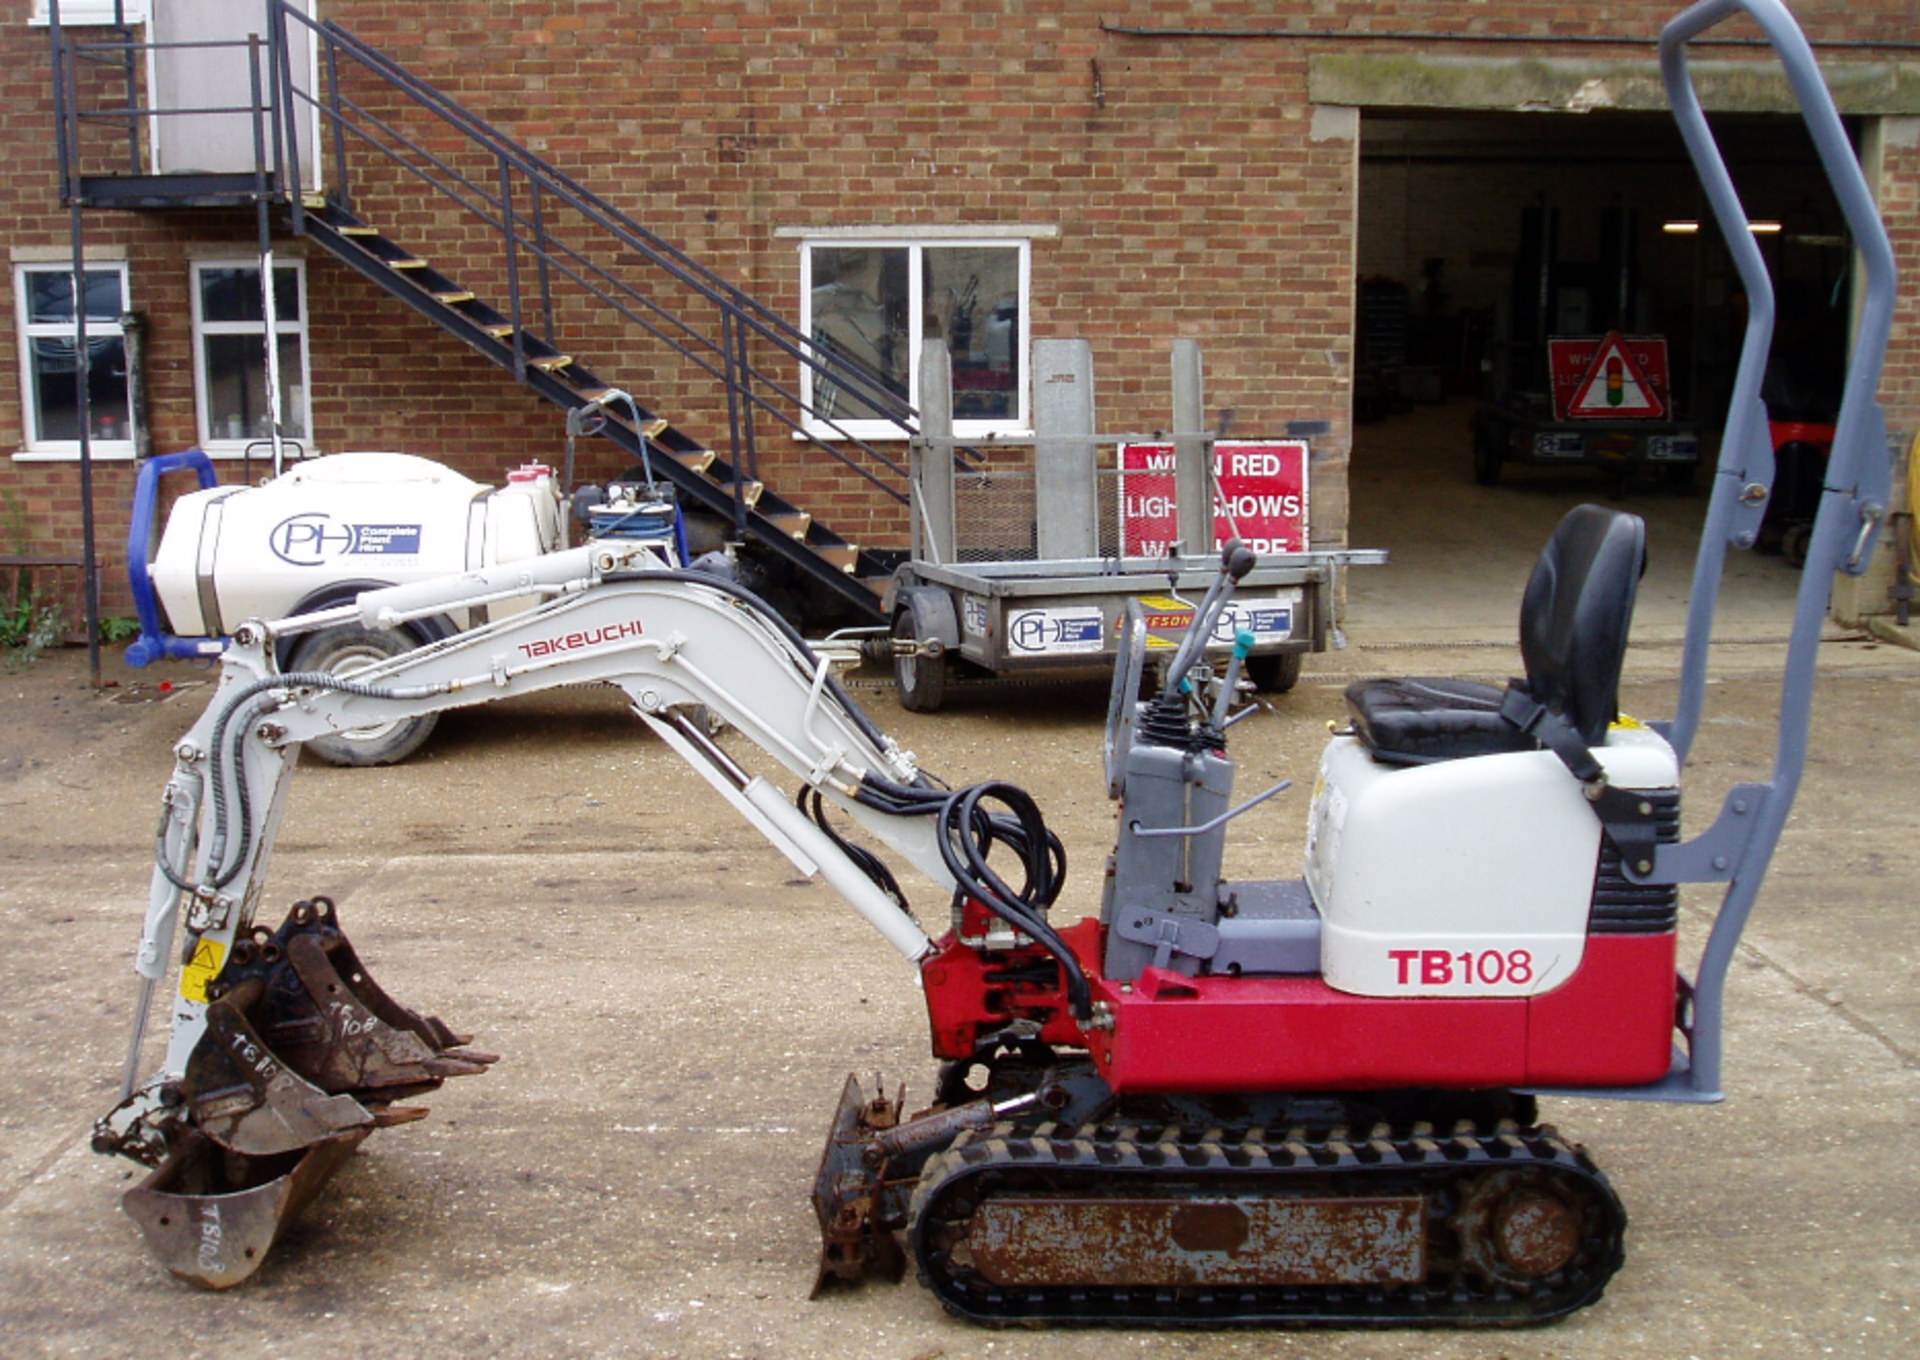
1574 620
1416 721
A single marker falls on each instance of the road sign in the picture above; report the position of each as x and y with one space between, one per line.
1609 377
1262 496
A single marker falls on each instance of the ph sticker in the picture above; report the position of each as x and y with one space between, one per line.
201 969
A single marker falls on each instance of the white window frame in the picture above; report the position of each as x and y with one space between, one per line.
75 13
1021 240
223 446
34 448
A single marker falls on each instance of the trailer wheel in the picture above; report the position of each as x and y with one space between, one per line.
1487 456
920 681
342 650
1275 672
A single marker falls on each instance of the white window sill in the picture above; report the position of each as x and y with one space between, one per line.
892 434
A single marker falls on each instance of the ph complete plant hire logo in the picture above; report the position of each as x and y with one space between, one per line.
311 539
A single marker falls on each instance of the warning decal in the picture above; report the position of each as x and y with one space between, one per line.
201 969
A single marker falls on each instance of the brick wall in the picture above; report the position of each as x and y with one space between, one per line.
1189 190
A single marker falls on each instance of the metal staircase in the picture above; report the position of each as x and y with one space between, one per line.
544 264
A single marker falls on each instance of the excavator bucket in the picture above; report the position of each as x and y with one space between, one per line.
303 1056
210 1215
318 1011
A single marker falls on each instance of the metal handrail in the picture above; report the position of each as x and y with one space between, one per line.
749 387
745 347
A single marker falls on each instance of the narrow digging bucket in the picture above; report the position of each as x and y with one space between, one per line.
211 1215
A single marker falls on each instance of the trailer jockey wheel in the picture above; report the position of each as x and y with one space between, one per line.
342 650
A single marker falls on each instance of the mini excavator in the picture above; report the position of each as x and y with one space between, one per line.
1291 1101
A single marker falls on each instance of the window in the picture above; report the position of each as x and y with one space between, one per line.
130 12
49 371
873 302
230 353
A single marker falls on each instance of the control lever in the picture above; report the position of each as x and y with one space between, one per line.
1236 560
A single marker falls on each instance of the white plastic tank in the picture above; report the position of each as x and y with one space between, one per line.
348 519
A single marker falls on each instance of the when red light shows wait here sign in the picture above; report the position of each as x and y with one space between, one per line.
1262 497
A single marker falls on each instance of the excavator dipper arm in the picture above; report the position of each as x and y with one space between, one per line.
264 1062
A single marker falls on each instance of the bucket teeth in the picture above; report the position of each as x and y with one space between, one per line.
210 1215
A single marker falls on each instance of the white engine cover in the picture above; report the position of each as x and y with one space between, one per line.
237 552
1470 877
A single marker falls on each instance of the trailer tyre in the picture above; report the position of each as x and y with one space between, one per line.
1276 672
920 681
342 650
1487 456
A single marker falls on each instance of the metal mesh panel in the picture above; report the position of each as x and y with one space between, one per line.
995 515
993 509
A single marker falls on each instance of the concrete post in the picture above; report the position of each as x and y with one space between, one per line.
1065 479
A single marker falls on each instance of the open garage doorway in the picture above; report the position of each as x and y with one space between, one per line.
1483 234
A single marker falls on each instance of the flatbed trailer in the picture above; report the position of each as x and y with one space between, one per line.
1504 435
1022 618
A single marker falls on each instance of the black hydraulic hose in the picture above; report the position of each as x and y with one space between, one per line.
968 833
809 801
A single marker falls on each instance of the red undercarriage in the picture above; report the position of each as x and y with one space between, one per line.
1610 1024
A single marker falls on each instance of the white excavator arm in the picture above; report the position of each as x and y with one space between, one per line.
674 642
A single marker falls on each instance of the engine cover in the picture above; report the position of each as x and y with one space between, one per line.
1468 877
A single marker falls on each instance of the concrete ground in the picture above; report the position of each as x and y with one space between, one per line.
676 1011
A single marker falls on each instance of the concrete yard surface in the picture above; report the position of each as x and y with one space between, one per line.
676 1012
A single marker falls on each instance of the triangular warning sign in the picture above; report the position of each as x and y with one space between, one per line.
1615 385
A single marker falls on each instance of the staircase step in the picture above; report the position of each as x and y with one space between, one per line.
794 533
842 555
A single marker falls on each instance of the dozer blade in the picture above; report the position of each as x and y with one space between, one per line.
854 1239
245 1098
210 1215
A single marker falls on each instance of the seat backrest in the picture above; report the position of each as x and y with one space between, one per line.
1576 612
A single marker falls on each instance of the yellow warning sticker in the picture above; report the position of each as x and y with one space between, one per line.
201 969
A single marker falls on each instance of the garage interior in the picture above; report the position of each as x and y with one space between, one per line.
1480 233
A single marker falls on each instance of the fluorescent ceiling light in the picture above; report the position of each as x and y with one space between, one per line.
1679 228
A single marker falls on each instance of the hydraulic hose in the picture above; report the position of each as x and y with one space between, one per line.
220 871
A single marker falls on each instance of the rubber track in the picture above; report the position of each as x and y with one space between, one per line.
1009 1159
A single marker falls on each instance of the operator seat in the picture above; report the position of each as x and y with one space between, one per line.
1574 620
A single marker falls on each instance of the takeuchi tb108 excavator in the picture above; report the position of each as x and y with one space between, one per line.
1308 1100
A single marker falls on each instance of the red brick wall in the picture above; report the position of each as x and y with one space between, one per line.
1189 198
